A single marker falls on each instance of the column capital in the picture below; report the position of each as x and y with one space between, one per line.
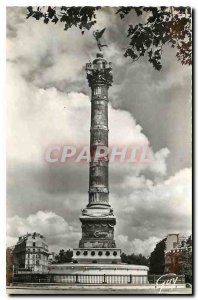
99 72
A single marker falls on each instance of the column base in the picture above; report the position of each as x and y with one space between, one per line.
97 255
97 231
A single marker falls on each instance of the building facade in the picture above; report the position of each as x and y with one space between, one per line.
51 258
31 253
176 246
172 241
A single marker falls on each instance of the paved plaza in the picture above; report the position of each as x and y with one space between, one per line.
96 290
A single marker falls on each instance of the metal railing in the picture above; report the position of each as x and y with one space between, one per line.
94 279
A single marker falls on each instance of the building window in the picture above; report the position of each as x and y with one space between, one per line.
33 244
92 253
100 253
85 253
107 253
78 253
114 253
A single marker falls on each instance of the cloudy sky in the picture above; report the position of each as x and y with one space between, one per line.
48 104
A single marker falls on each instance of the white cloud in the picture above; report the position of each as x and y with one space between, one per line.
137 246
54 227
48 117
47 223
123 129
44 117
158 164
136 183
154 209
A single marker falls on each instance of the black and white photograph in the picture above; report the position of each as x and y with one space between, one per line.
99 150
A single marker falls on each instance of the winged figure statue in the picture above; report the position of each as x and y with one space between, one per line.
98 34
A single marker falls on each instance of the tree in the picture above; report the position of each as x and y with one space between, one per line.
134 259
189 241
185 265
9 264
161 26
185 260
64 256
157 258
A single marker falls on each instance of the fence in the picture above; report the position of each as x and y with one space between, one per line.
95 279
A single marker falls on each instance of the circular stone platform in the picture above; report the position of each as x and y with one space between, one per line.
99 273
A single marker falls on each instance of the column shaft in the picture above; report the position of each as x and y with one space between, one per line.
98 170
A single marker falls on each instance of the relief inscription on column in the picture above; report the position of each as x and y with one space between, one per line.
97 230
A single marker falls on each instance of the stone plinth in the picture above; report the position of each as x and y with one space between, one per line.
97 255
99 273
97 230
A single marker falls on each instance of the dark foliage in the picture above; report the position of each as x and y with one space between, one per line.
81 17
189 241
157 258
64 256
185 264
185 261
164 25
9 264
134 259
161 26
